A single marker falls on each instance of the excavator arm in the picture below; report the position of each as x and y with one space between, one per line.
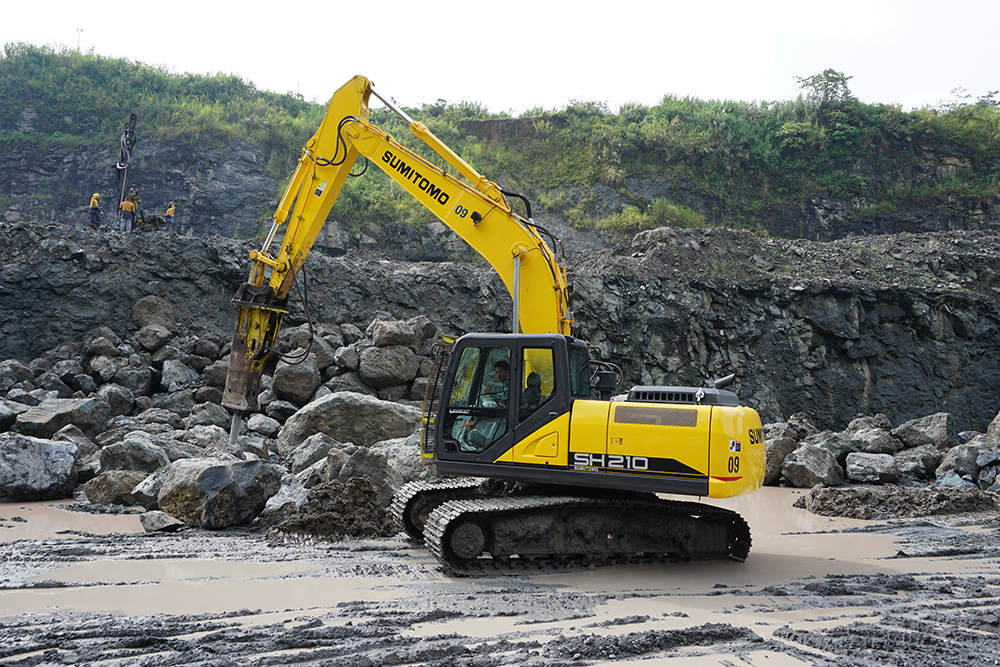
476 209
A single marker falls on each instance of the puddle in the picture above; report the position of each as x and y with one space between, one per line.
44 520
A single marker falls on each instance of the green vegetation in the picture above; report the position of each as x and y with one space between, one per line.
73 97
720 162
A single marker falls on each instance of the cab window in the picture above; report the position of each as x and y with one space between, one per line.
477 412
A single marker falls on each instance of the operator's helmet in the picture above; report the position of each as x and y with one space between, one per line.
97 195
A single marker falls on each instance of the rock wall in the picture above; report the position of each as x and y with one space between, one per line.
832 330
222 190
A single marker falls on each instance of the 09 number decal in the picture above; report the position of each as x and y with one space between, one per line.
734 464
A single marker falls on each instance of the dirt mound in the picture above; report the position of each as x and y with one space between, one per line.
890 502
335 510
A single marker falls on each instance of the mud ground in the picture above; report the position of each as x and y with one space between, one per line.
79 588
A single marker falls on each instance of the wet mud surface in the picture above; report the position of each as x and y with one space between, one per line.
86 589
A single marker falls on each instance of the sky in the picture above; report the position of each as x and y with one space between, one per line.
516 55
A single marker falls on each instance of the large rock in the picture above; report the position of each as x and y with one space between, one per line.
313 449
403 456
866 468
962 460
114 487
297 382
392 332
42 421
136 452
348 417
873 441
213 494
775 451
153 310
810 465
388 366
918 462
373 466
937 429
835 443
36 469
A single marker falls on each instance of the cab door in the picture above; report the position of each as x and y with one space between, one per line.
541 418
476 412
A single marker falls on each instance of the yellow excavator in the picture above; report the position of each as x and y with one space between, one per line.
537 462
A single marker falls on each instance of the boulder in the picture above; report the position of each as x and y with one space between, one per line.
42 421
289 498
993 430
36 469
214 494
347 358
989 469
135 452
152 337
136 375
267 427
387 366
153 309
349 381
208 435
873 441
810 465
348 417
216 372
114 487
962 459
954 480
297 382
120 399
386 333
9 410
866 468
835 443
775 451
67 370
280 410
51 382
85 446
937 429
403 456
159 522
313 449
147 491
209 414
918 462
372 465
177 375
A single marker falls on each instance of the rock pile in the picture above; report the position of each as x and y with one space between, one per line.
928 450
139 422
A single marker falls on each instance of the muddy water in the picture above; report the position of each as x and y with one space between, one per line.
789 545
38 521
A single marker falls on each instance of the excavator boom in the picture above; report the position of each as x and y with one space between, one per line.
477 210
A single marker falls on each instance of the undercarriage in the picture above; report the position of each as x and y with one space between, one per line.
473 531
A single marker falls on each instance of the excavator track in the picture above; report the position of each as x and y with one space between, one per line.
412 504
529 533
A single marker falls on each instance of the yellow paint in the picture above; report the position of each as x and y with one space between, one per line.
589 426
730 425
549 445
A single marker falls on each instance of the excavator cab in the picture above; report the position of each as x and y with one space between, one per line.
502 388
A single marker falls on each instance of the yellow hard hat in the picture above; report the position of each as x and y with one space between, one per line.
97 194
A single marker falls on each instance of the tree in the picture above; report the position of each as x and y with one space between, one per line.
827 88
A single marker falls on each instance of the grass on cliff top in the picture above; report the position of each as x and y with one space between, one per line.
743 159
